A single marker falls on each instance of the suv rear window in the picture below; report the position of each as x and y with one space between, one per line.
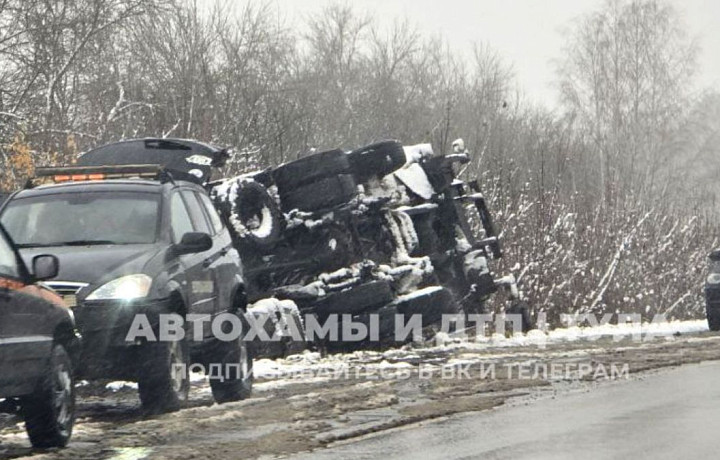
83 218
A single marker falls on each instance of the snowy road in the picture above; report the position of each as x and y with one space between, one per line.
669 414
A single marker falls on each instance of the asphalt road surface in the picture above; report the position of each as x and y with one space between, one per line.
669 414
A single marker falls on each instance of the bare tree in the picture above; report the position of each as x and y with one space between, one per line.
626 80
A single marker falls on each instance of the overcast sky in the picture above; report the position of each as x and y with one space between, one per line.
527 33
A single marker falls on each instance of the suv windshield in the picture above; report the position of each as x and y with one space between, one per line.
83 219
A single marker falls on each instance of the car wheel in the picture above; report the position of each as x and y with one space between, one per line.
291 176
323 194
50 411
237 379
713 317
379 159
164 380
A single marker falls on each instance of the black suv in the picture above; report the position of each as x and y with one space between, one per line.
138 242
38 346
712 291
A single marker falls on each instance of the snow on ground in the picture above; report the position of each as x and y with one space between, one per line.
311 367
121 385
645 332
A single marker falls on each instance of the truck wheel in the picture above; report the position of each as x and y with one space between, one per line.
237 379
713 317
431 303
379 159
387 316
164 382
254 215
323 194
291 176
523 309
356 299
50 411
385 330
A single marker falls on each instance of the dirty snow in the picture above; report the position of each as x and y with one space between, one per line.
311 366
284 315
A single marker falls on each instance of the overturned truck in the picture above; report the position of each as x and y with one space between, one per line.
384 229
357 237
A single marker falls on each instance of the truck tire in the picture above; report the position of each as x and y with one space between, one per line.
431 303
254 215
386 321
713 317
356 299
523 309
163 380
238 378
50 411
291 176
385 332
323 194
378 159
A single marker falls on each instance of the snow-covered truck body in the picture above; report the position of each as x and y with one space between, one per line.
384 229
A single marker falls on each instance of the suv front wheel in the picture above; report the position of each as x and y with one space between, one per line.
237 378
163 380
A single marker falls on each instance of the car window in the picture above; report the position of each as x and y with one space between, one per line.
196 213
8 262
179 218
211 213
83 218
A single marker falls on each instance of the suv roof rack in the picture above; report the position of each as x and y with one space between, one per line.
95 173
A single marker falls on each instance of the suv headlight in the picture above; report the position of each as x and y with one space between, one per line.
713 278
124 288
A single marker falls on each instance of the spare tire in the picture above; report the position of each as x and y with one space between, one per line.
290 176
323 194
253 214
379 159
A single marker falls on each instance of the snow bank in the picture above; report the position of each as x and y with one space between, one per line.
646 332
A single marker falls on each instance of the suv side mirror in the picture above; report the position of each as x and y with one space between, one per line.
193 243
45 267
